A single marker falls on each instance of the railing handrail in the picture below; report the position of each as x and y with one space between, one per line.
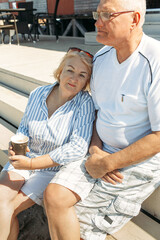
153 10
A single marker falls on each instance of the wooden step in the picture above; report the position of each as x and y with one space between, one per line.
140 228
3 158
31 68
18 81
12 105
7 131
152 205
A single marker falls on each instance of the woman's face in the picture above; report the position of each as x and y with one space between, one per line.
74 77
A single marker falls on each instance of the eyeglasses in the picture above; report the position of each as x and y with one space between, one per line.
105 16
74 49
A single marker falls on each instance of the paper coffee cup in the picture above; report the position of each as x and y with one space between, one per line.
19 144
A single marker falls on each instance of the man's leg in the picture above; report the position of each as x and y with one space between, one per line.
62 219
10 183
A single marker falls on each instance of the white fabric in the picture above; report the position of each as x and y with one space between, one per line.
36 184
105 208
127 94
74 177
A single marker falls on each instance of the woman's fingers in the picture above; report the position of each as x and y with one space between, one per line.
27 150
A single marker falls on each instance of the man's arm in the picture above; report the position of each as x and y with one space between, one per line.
96 148
137 152
96 143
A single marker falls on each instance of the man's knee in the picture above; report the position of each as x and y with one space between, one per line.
58 196
53 196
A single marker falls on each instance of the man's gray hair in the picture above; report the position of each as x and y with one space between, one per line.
137 5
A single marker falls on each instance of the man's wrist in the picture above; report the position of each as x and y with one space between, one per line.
108 163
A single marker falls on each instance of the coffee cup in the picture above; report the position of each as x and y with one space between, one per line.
19 144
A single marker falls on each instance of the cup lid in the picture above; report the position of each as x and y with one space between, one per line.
19 138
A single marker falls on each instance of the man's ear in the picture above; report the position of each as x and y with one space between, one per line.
136 20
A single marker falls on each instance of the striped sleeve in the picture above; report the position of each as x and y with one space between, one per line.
33 101
79 142
23 127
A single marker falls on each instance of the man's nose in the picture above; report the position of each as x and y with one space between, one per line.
99 22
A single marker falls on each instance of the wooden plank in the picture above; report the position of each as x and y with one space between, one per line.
152 205
85 6
3 158
140 228
12 105
6 131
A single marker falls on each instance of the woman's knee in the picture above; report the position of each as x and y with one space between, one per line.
9 186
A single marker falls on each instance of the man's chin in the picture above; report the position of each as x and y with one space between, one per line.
101 38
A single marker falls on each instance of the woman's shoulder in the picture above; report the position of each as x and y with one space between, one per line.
86 97
40 90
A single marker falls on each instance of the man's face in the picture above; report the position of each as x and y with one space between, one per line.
116 30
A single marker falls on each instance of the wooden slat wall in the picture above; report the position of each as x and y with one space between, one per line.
40 5
65 7
4 4
85 6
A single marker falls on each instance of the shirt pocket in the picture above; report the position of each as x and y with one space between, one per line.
127 207
117 215
133 101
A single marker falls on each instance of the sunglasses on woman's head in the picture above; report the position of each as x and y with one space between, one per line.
74 49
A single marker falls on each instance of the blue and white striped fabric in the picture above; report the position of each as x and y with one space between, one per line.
66 135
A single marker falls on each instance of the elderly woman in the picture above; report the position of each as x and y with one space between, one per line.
58 121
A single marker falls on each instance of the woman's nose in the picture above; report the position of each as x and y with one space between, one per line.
75 77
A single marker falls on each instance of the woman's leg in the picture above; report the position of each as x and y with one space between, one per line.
62 219
21 203
10 183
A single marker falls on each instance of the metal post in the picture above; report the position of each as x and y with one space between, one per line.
55 16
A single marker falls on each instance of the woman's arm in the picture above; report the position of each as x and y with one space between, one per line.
23 162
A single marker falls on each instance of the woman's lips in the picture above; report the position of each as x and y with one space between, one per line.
72 85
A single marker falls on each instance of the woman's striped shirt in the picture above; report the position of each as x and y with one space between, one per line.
66 135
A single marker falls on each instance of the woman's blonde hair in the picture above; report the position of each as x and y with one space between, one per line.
86 59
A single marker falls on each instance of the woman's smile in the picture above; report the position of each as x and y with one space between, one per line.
72 85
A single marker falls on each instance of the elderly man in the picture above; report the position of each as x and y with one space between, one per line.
126 138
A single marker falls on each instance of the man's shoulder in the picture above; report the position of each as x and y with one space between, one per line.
104 50
150 48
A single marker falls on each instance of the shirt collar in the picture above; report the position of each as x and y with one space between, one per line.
47 91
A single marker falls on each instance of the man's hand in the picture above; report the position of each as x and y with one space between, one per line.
20 162
95 166
113 177
99 151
